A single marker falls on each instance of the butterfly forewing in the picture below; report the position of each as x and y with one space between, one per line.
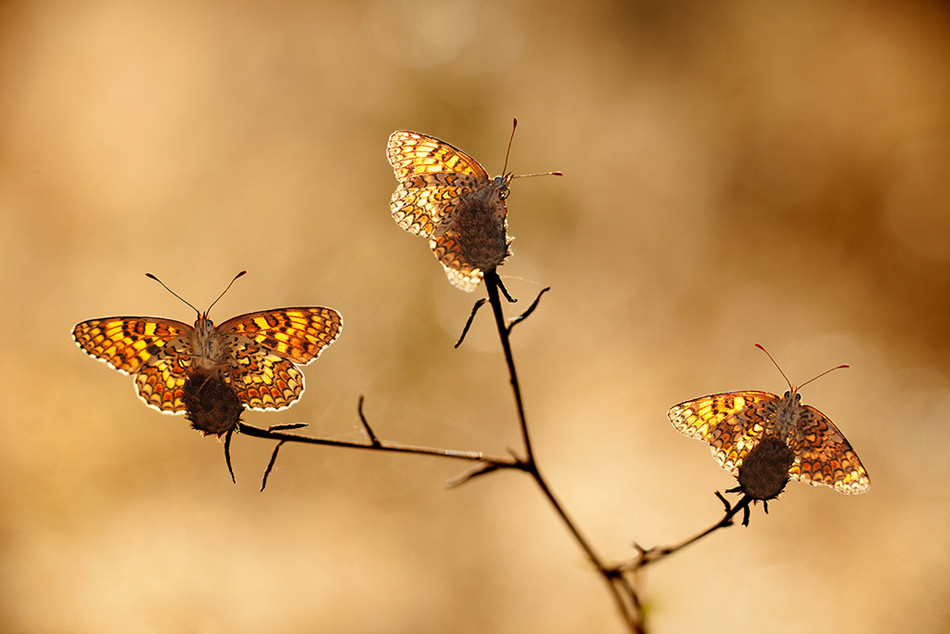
730 423
298 334
127 343
824 456
411 154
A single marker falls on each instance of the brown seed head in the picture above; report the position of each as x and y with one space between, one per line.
211 405
764 471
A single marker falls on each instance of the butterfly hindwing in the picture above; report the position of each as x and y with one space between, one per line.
160 382
263 379
449 252
824 456
422 204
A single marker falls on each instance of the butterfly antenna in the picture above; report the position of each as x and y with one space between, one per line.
189 304
514 126
538 174
241 274
790 386
762 348
837 367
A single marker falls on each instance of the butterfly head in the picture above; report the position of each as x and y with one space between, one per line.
203 324
502 182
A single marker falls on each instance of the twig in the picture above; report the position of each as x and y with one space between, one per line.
471 474
471 318
270 465
520 318
622 592
373 438
279 434
645 557
227 453
273 457
504 291
492 284
475 456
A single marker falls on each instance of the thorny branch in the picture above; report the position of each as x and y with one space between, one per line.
645 557
620 578
279 433
622 593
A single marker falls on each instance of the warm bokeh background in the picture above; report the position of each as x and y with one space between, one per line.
735 172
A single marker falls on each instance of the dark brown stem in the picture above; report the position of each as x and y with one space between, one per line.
646 557
622 592
376 445
492 284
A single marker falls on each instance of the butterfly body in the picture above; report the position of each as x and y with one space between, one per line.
253 355
208 344
735 423
447 196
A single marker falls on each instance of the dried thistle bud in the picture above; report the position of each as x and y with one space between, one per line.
211 405
763 473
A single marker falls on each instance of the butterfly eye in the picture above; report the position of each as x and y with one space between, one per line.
798 397
502 185
787 392
208 325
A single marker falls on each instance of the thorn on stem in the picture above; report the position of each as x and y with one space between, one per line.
504 291
286 426
520 318
470 474
373 439
471 318
270 465
523 463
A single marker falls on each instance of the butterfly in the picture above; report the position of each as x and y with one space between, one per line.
780 435
447 196
211 372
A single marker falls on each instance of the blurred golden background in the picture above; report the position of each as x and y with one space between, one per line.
735 172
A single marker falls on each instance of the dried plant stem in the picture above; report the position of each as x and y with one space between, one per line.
652 555
620 578
375 444
622 592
